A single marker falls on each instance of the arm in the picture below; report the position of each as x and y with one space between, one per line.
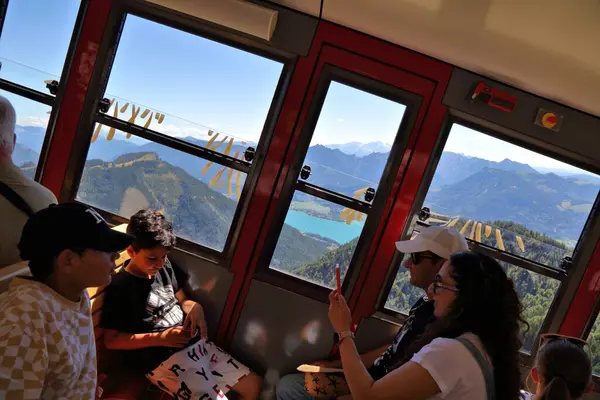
411 381
194 314
185 303
369 357
31 373
172 337
115 340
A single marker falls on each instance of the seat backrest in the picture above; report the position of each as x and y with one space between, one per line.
9 272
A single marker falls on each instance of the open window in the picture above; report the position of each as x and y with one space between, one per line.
350 147
179 129
523 208
35 42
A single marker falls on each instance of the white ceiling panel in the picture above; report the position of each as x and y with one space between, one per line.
550 47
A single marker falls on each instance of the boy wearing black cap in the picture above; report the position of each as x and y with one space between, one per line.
47 346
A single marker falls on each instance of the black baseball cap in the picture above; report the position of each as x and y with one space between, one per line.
69 226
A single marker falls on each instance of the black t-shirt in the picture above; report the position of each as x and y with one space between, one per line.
420 315
139 305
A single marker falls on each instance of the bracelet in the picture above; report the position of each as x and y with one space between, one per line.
344 335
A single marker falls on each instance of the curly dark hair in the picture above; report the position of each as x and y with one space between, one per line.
151 229
486 305
565 369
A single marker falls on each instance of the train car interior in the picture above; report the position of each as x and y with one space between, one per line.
285 137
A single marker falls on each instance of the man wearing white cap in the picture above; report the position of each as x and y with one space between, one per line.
426 253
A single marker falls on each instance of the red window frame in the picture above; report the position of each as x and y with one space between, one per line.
377 60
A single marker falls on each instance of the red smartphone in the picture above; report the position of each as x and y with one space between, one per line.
338 280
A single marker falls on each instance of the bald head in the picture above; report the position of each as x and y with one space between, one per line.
8 119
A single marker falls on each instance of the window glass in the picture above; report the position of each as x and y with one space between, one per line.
195 89
594 346
510 198
352 139
536 293
123 175
314 240
32 121
35 39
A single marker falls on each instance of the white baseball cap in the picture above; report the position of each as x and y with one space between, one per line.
439 240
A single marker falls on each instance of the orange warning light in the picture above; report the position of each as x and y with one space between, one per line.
549 120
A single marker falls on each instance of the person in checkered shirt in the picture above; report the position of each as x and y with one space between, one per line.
47 346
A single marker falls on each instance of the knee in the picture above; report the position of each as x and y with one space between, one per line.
254 383
290 387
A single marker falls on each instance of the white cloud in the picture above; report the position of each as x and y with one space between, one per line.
168 129
32 120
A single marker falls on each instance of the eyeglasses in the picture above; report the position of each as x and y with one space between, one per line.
551 337
416 258
437 284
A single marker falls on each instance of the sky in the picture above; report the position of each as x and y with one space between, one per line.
201 85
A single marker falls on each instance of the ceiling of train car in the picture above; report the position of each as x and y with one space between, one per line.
550 47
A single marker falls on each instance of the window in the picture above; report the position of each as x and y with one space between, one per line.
35 39
123 177
530 207
594 346
199 86
181 113
32 120
510 198
346 157
34 42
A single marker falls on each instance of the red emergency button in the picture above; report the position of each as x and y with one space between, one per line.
549 120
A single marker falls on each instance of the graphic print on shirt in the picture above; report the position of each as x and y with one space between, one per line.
162 308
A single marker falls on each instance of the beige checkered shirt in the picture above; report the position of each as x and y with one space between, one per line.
47 347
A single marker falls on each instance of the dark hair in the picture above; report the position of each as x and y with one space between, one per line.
565 369
42 265
486 305
151 229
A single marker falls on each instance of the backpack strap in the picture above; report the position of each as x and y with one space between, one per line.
16 200
484 365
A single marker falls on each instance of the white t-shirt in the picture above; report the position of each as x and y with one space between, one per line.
453 368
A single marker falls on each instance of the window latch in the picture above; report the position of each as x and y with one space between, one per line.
305 172
249 154
424 214
104 105
369 195
566 263
52 87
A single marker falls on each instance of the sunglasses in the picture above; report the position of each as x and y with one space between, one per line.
551 337
416 258
438 284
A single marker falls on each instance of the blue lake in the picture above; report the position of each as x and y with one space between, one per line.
336 230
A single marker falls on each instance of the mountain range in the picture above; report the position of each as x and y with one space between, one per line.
462 186
362 149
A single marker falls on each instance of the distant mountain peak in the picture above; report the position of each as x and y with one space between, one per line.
361 149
